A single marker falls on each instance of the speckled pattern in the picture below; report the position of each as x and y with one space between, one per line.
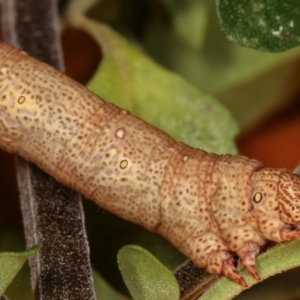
207 205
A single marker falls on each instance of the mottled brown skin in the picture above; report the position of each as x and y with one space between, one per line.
207 205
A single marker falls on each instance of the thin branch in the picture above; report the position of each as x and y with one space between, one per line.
52 214
192 280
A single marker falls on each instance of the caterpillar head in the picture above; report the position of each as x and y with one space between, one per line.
276 194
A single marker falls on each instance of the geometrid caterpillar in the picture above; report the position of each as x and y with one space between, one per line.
205 204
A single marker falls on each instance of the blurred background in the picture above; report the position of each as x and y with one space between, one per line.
260 89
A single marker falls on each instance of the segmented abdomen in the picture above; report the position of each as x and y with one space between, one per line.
205 204
124 164
110 156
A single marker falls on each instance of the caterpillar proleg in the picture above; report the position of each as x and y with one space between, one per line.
207 205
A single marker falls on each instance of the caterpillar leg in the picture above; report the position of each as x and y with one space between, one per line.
288 234
209 251
230 271
281 233
247 256
226 261
248 262
248 253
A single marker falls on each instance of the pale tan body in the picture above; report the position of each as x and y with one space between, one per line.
200 202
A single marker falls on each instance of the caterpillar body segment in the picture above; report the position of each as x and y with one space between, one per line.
207 205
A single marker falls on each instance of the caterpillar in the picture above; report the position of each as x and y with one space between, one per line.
207 205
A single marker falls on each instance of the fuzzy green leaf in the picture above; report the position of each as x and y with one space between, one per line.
107 234
133 81
145 277
270 25
11 263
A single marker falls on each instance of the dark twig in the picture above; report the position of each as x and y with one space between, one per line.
192 280
52 214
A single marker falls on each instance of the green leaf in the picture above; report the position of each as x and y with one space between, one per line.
11 263
107 234
189 19
133 81
145 277
270 25
280 258
251 84
103 290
